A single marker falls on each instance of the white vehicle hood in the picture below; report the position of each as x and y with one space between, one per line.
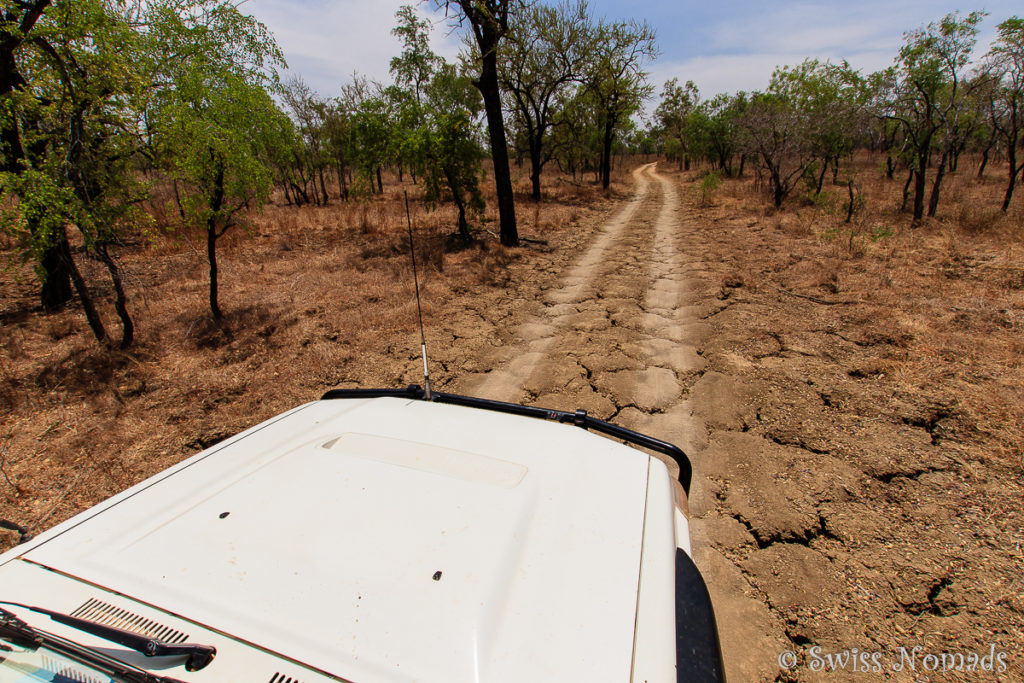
389 540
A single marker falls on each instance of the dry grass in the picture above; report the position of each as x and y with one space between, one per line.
946 297
314 298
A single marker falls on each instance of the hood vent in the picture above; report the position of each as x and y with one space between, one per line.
281 678
108 615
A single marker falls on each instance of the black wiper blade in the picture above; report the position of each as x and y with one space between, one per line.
17 631
198 655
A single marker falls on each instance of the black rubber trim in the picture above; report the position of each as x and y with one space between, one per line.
698 651
578 418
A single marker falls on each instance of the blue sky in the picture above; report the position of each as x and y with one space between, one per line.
722 45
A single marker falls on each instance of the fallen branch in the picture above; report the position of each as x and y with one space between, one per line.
529 240
818 300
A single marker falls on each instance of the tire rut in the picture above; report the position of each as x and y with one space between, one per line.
594 309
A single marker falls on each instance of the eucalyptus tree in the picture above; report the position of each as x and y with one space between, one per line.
616 79
489 22
678 102
775 132
449 147
373 111
829 101
338 146
713 127
576 142
885 132
1005 64
930 96
542 56
215 124
309 113
417 64
437 133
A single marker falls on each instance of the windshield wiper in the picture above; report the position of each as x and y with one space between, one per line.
198 655
16 631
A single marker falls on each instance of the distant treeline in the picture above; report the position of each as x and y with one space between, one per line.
937 101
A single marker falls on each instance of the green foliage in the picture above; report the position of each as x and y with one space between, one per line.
713 129
1005 68
214 126
33 210
616 79
74 118
436 134
674 118
416 65
372 126
931 94
708 184
213 123
881 232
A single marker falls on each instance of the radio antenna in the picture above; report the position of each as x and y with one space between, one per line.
419 309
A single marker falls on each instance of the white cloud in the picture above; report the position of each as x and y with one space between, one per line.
326 41
731 73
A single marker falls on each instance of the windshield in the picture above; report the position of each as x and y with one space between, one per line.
21 665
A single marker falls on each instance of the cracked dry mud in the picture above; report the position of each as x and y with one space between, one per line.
816 521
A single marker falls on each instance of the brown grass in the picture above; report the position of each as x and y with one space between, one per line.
949 295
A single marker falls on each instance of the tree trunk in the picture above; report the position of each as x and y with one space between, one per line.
120 301
1014 172
91 314
323 186
463 226
301 196
535 169
821 177
606 156
488 86
919 187
984 162
933 202
211 255
342 185
906 190
56 290
777 195
380 183
216 203
852 207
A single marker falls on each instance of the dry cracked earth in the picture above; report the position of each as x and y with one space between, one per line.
822 516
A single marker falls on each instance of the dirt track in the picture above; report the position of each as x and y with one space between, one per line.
820 518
